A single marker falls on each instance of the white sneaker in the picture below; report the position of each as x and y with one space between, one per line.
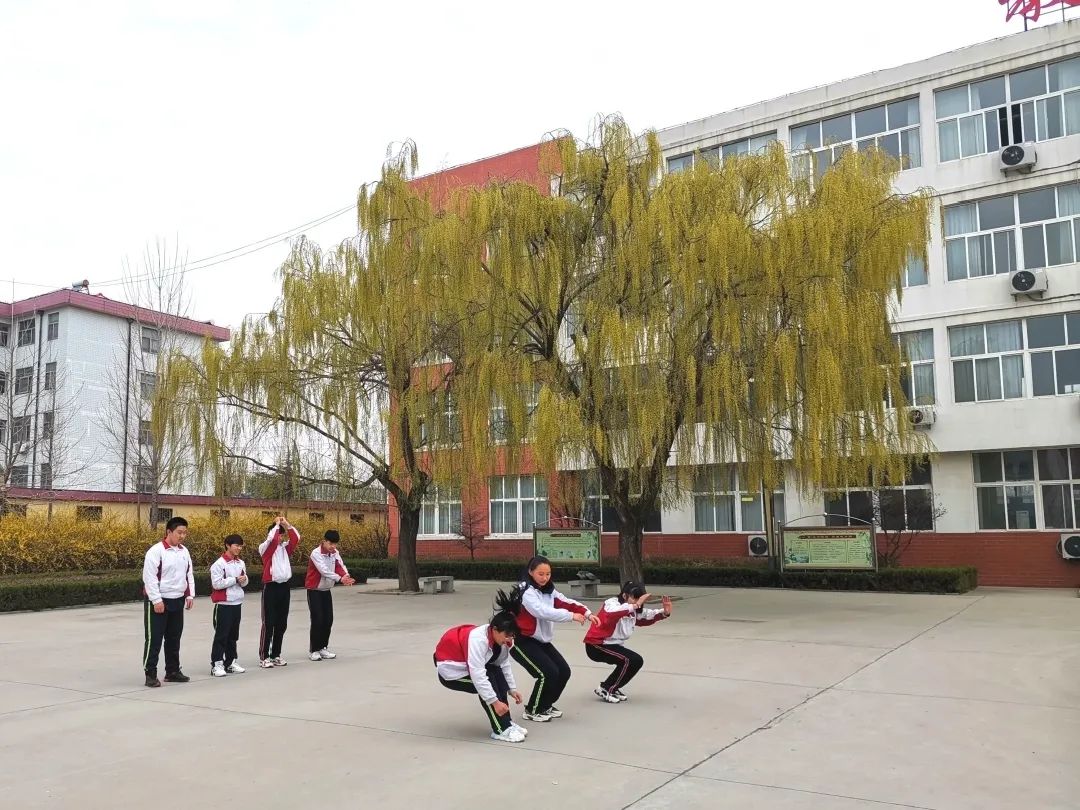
512 734
325 653
315 656
266 663
605 695
619 694
537 718
218 669
235 668
553 712
280 662
522 729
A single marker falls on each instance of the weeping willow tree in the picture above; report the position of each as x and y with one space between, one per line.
352 362
729 314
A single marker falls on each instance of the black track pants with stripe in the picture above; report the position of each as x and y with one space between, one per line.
275 618
499 722
627 663
226 633
158 627
543 662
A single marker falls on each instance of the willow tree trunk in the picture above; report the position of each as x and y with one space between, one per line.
407 576
630 567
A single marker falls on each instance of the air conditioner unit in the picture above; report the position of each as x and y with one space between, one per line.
1028 282
757 545
1019 157
1070 545
922 416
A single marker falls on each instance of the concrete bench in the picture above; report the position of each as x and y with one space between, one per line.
584 588
435 585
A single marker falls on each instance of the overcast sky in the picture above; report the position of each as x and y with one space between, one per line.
219 124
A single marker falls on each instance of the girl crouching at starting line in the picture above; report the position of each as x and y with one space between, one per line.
604 643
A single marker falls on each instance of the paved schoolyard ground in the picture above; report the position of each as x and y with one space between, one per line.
749 699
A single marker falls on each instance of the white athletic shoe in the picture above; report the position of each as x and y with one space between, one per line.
235 668
280 662
315 656
619 694
266 663
218 669
325 653
512 734
524 731
605 695
543 717
553 712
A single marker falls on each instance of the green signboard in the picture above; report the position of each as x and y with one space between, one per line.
568 545
837 547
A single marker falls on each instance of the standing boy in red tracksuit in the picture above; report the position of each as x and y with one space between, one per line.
276 553
604 642
325 569
169 585
228 576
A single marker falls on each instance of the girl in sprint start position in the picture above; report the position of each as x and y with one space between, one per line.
541 607
476 660
604 643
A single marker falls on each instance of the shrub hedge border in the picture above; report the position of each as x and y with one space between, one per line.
70 589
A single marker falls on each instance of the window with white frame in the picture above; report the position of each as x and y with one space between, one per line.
597 509
713 155
747 146
20 475
908 505
725 502
1033 229
53 324
987 361
499 421
24 380
21 427
1036 104
892 128
148 381
50 376
516 503
440 513
1005 487
1055 369
150 339
447 419
915 274
680 163
45 478
26 332
917 371
146 433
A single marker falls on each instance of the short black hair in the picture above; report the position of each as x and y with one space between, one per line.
234 540
174 524
633 589
332 536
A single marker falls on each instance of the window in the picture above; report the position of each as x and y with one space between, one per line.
150 339
45 477
26 332
1030 105
917 372
447 421
5 334
47 423
517 503
20 475
725 502
24 380
89 514
3 431
221 515
148 381
1005 489
596 508
1056 370
441 511
145 481
991 364
160 514
50 376
356 517
316 517
713 155
499 420
906 506
53 326
3 382
146 433
20 430
915 272
892 128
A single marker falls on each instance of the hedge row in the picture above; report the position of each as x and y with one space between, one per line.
70 589
905 580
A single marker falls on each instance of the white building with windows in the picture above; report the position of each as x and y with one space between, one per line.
76 374
992 322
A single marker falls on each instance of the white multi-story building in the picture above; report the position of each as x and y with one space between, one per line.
992 322
76 372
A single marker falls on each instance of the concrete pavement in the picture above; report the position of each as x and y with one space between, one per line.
748 699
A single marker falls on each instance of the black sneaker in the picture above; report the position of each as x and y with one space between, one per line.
152 680
177 677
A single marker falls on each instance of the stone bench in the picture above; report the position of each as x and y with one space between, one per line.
584 588
435 585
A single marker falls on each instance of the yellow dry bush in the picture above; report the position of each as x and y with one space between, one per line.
35 544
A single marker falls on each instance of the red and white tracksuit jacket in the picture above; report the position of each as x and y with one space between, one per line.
224 574
618 620
167 572
539 612
276 555
465 652
324 571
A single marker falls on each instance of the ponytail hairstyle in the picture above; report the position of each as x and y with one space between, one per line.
526 575
507 606
634 590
